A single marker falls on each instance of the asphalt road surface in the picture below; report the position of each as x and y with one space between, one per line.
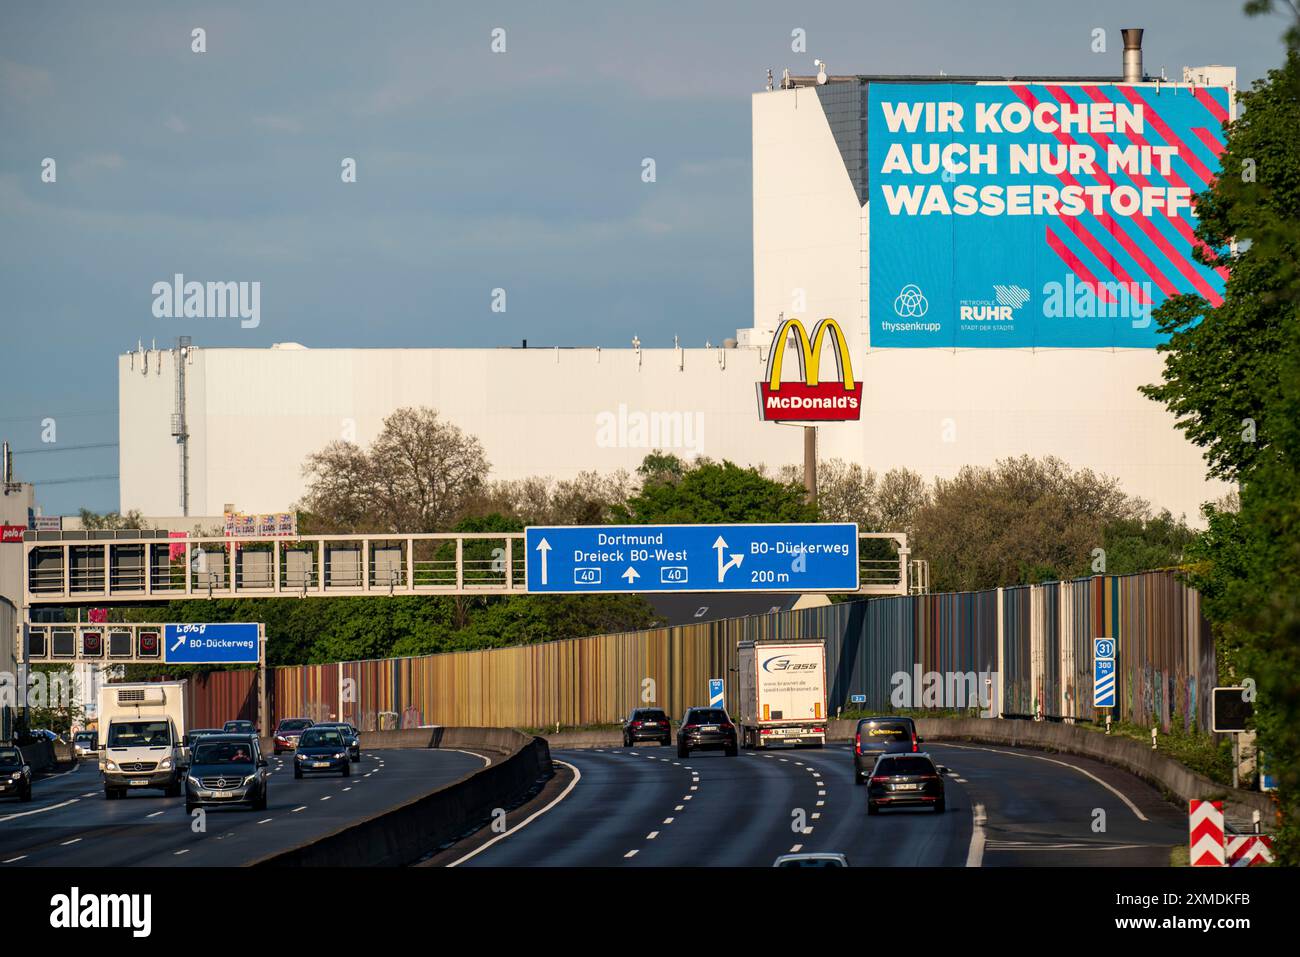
647 807
70 824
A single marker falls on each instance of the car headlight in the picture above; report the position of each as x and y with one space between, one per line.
110 766
166 764
250 779
17 776
300 756
341 754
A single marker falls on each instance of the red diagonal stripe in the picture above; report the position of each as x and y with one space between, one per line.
1183 227
1076 264
1211 142
1107 221
1181 263
1106 257
1210 103
1208 828
1190 158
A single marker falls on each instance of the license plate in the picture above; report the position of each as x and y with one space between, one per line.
907 787
139 783
320 764
709 727
219 795
651 724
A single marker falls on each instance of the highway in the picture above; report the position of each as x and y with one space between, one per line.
69 823
647 807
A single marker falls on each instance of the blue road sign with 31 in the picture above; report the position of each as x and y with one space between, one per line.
1103 672
661 558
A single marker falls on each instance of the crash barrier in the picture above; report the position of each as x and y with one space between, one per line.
403 835
39 755
1028 647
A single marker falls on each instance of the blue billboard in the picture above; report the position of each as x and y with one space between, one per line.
1035 215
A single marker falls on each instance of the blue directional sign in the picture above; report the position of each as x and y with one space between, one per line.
1103 672
716 693
681 558
857 699
222 643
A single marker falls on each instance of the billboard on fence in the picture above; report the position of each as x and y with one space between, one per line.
1047 215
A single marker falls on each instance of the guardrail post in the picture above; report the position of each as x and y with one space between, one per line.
510 564
460 563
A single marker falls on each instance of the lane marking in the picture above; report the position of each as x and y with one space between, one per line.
180 852
631 853
90 794
75 840
299 808
266 820
796 849
975 854
39 810
821 803
816 815
327 797
155 814
1065 764
687 797
652 835
680 807
668 820
15 860
577 776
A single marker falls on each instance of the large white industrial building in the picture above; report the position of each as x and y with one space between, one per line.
250 417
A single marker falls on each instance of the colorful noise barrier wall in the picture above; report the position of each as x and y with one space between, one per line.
1027 648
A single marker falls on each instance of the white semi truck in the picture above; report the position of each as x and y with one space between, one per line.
142 729
782 693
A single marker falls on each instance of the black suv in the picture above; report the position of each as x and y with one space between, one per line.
706 729
351 737
647 724
882 735
226 769
903 779
15 775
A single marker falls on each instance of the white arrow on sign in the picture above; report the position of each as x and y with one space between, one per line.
631 574
735 561
180 640
543 546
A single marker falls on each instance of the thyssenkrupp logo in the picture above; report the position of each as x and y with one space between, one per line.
810 400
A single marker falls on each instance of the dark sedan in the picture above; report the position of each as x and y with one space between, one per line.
647 724
321 749
351 737
903 780
15 775
706 729
226 769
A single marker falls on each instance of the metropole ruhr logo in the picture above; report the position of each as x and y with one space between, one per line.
810 399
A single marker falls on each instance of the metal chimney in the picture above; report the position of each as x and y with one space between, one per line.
1132 56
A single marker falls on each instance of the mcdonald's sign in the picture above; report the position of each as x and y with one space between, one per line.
810 399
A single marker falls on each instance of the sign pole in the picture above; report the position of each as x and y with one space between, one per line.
263 693
810 462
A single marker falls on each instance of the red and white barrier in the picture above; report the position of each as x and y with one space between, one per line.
1205 825
1246 850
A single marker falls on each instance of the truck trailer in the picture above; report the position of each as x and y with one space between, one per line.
782 693
142 729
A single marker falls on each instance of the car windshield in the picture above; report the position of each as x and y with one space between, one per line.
10 758
907 765
321 739
886 731
651 716
85 735
707 716
223 752
295 724
239 726
139 734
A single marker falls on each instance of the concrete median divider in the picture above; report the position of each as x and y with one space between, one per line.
402 835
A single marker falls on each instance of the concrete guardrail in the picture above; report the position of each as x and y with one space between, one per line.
403 835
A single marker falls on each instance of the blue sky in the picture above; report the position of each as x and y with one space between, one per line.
476 170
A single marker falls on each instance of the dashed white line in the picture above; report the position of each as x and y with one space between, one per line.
75 840
184 850
668 820
266 820
155 813
680 807
652 835
975 855
631 853
327 797
15 860
796 848
302 807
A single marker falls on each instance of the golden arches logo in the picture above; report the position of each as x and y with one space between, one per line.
810 399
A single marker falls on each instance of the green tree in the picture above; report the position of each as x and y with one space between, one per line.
1232 378
714 492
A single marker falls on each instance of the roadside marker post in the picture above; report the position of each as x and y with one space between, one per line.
1205 834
